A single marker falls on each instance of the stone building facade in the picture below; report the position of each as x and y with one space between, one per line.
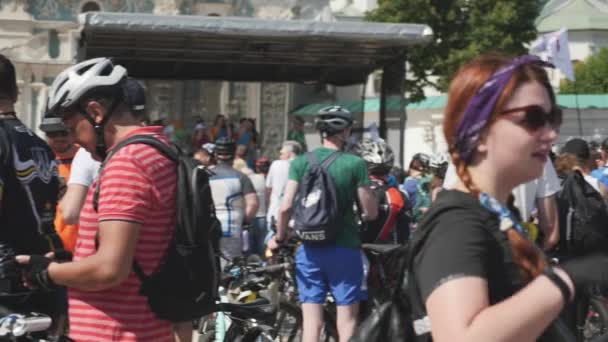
42 38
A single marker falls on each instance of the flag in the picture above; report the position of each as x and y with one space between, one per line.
554 48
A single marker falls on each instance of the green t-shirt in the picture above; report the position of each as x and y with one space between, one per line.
349 173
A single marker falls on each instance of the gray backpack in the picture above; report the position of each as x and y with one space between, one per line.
316 213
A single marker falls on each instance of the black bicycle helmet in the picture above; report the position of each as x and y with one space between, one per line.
224 148
333 119
420 162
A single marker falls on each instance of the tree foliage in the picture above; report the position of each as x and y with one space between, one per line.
462 30
591 76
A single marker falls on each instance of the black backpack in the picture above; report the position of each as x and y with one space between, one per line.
185 285
404 317
583 216
316 211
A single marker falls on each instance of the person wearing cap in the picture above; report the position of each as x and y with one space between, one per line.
62 142
205 155
235 199
136 97
576 155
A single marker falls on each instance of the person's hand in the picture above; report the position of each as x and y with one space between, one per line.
272 244
587 270
35 271
63 187
60 255
549 242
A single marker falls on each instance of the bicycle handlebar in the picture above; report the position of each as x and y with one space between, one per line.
19 325
270 269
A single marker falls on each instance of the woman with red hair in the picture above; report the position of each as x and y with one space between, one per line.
477 276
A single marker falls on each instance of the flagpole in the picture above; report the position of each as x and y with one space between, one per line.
578 111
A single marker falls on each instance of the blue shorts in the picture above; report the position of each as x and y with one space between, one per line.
339 270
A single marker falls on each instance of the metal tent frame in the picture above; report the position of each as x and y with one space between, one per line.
248 49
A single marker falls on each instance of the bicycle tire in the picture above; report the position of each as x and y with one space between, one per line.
288 309
208 336
596 323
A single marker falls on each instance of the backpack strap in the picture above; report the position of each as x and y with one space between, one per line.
329 160
171 153
314 161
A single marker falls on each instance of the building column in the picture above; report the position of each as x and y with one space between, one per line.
254 104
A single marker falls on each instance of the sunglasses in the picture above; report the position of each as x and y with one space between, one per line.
536 118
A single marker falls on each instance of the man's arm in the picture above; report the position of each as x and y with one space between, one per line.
251 206
72 202
285 210
108 267
548 220
368 202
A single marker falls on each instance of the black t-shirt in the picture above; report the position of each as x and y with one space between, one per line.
465 241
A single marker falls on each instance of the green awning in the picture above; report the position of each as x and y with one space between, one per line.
568 101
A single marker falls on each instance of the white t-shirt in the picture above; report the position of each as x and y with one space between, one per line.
525 194
259 184
276 179
594 182
84 168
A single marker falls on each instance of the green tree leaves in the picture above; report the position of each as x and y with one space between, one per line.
462 30
591 76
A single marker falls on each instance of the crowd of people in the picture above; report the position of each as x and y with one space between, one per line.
479 218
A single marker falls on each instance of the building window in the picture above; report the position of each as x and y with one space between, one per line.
54 44
90 6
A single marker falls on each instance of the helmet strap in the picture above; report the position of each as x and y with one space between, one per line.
101 147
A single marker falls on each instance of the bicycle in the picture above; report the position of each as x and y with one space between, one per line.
30 327
249 317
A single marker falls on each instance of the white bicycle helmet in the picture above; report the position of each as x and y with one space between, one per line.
439 160
91 75
377 154
333 119
438 163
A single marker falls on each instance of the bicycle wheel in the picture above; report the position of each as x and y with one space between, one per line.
596 322
329 333
288 322
208 336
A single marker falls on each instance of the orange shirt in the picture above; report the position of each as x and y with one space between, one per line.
67 232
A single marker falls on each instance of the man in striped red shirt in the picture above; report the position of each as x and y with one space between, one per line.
135 217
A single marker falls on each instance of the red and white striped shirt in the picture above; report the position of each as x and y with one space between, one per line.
138 184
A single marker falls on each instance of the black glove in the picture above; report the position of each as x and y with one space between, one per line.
62 255
587 270
9 269
37 273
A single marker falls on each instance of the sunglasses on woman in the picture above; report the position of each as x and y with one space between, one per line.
536 118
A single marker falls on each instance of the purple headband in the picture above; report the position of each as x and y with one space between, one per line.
482 105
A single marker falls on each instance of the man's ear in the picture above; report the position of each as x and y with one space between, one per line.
96 110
